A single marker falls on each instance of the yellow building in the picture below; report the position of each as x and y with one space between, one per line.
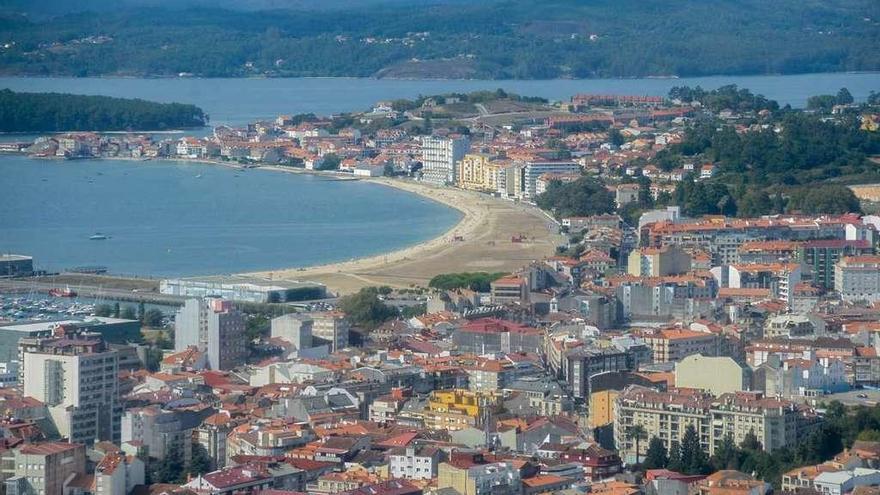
602 408
477 172
454 409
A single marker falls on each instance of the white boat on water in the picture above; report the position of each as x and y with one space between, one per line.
99 237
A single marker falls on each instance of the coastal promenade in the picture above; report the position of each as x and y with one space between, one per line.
483 240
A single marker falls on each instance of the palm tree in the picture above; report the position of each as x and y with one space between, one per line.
637 433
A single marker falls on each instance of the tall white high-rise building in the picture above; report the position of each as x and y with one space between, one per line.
440 156
76 376
214 327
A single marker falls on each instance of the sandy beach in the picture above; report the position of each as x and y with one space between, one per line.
480 241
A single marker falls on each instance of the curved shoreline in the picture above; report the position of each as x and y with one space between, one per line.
472 218
481 240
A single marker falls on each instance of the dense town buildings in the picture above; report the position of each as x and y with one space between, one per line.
552 378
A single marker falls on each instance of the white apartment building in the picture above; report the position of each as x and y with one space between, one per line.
76 376
857 278
440 156
415 463
214 327
531 171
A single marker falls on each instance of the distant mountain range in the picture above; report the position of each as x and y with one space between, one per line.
54 8
437 38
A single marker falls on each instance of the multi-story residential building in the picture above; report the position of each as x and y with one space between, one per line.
582 363
599 464
625 194
469 473
716 375
544 394
779 278
477 172
294 328
160 430
43 468
857 278
214 327
118 474
768 252
489 335
418 462
440 156
722 237
490 375
384 409
658 262
819 258
673 345
331 328
666 415
510 290
212 434
533 170
267 440
455 409
76 376
686 297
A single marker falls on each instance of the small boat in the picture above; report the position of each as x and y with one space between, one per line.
99 237
65 292
199 176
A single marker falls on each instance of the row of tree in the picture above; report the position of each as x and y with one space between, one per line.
149 317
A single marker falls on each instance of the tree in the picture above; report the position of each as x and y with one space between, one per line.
171 468
656 456
365 310
615 137
476 281
201 462
830 199
153 318
637 433
583 197
751 442
674 457
844 97
330 161
257 326
116 310
153 358
693 458
129 313
726 454
140 311
103 310
754 203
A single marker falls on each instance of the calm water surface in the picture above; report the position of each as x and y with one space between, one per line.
238 101
165 220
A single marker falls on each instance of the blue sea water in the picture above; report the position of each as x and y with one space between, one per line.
176 218
165 221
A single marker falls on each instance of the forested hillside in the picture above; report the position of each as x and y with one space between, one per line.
46 112
509 39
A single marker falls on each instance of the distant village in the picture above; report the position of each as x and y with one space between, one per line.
670 355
